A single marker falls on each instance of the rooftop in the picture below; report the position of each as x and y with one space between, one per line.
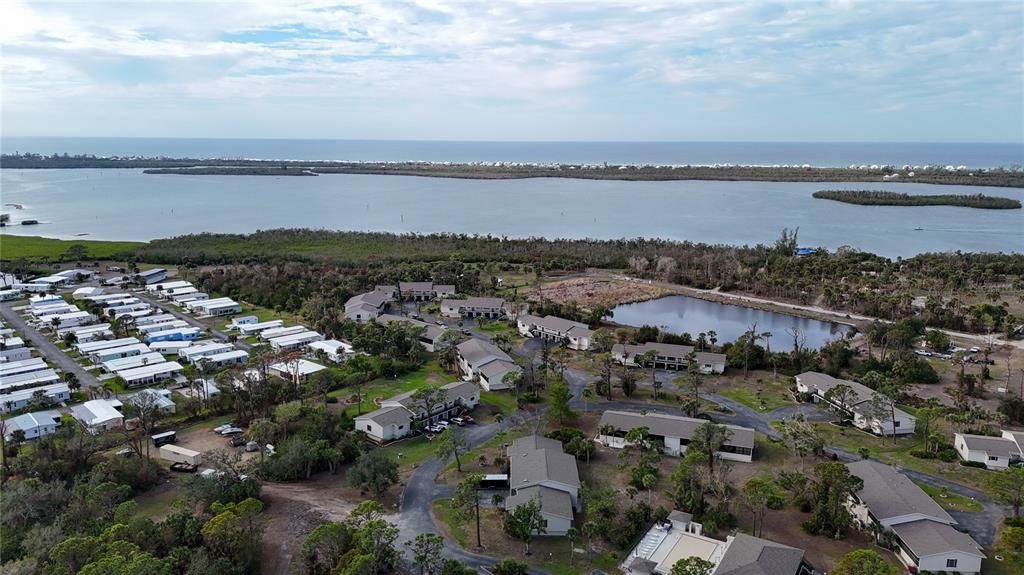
673 426
890 494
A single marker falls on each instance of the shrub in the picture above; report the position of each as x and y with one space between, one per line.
1013 521
809 527
978 464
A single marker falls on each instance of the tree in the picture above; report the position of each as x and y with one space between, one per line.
325 545
466 502
449 443
602 340
760 495
559 397
1007 487
864 562
447 349
708 439
524 522
840 399
503 341
695 381
627 381
832 487
426 552
374 471
801 437
427 398
648 359
513 379
692 566
937 340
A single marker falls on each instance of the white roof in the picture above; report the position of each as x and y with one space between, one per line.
97 411
27 421
82 329
39 377
38 300
26 394
161 318
281 331
84 291
150 370
331 346
164 286
154 271
226 356
255 327
49 280
300 337
302 366
134 361
22 366
220 304
92 346
206 349
139 347
162 326
12 342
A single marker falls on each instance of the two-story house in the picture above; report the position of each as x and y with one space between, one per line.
400 415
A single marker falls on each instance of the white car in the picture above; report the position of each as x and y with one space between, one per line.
443 424
232 431
974 350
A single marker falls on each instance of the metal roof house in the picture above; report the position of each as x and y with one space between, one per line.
99 415
152 276
53 393
33 425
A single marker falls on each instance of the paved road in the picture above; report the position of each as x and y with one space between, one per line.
46 347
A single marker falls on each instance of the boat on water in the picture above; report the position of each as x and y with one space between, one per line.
918 229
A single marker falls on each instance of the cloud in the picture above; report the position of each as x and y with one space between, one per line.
616 62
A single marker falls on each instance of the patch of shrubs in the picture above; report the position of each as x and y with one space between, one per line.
978 464
945 453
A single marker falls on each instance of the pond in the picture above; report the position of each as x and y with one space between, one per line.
678 314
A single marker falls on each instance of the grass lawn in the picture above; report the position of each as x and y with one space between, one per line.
443 512
1012 564
497 327
430 374
414 450
760 396
852 439
156 503
503 401
951 501
35 247
267 314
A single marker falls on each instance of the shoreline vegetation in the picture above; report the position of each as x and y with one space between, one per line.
282 269
884 198
947 175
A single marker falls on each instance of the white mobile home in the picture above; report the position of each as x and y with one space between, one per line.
120 352
243 320
151 373
84 292
294 341
10 383
191 354
167 286
225 308
44 299
53 393
273 332
10 343
335 350
171 347
297 371
116 365
10 294
33 425
23 366
93 346
255 328
151 319
161 326
994 452
14 354
225 359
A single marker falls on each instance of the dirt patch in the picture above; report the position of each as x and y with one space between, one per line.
293 510
607 291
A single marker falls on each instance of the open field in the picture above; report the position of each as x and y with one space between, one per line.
36 247
951 501
430 374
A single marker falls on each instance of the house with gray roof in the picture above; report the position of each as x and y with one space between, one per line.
995 452
576 335
429 333
860 404
540 470
32 425
475 307
402 414
668 356
679 538
926 536
366 306
674 432
482 360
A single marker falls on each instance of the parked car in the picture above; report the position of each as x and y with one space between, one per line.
974 350
439 322
232 431
435 428
126 452
458 421
468 419
252 446
466 332
222 427
443 424
182 467
236 441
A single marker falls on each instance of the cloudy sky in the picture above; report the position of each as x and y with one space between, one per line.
517 70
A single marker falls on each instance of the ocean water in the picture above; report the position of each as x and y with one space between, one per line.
129 205
753 153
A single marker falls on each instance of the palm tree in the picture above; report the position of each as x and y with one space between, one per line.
588 394
713 338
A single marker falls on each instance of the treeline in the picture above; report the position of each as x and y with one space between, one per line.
883 198
937 175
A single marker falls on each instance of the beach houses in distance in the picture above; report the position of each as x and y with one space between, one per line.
483 361
576 335
858 405
925 536
668 356
400 415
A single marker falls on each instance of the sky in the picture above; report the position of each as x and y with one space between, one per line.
885 71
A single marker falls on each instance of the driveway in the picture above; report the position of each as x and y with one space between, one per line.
46 347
